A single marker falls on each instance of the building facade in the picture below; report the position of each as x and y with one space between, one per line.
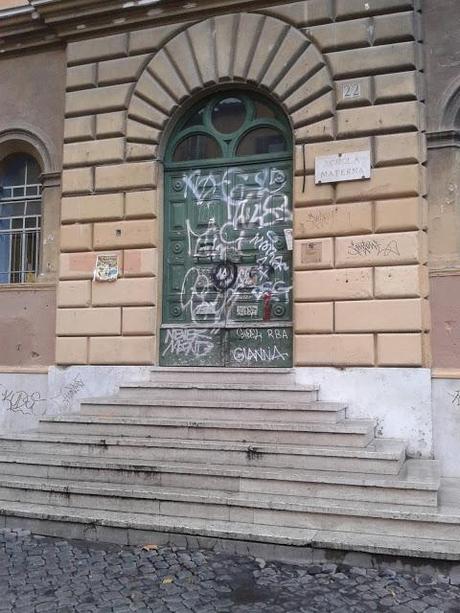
233 184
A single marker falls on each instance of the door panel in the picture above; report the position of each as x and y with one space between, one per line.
259 347
228 266
192 347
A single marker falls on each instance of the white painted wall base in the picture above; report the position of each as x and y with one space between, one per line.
72 383
446 425
25 397
399 399
23 400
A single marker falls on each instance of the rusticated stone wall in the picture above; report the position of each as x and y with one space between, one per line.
441 18
348 75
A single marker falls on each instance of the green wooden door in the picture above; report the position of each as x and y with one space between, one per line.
227 292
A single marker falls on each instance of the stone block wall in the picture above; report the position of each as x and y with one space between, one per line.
348 74
441 18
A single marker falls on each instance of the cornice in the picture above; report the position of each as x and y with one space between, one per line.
22 27
443 139
45 22
15 11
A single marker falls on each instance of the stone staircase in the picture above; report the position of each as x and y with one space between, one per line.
247 455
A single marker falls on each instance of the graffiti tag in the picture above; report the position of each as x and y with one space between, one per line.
197 343
368 247
20 401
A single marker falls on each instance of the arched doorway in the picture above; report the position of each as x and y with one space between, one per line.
227 291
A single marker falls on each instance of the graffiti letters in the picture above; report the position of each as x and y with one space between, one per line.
319 219
369 247
20 401
267 245
259 354
32 403
254 203
69 391
249 334
246 310
251 200
188 342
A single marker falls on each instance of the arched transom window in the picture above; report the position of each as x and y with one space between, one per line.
20 218
230 126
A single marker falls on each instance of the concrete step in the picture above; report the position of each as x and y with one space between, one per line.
218 392
324 412
139 529
382 456
416 484
449 494
162 374
429 548
260 509
348 433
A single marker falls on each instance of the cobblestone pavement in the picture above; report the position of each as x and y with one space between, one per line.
46 575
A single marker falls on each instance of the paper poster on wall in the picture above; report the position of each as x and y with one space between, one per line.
106 268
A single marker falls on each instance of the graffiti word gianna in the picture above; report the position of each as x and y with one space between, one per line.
262 354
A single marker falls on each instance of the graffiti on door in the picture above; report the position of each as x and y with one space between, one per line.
228 232
258 205
254 206
238 347
189 342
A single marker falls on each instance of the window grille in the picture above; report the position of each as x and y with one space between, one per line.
20 219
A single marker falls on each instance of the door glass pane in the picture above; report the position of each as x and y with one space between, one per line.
263 111
33 208
5 246
33 190
196 147
33 171
8 209
262 140
195 120
228 115
19 235
13 170
31 222
16 251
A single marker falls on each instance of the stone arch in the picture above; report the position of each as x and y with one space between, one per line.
273 56
25 139
451 114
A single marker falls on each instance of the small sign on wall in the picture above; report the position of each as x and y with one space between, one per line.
352 89
311 252
353 166
106 268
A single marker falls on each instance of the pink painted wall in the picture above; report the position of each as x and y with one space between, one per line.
445 321
27 327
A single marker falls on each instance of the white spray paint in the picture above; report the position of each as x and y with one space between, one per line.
252 201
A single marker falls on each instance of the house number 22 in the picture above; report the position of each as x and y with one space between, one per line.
351 90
